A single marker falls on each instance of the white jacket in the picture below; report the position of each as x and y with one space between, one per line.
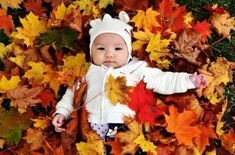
101 110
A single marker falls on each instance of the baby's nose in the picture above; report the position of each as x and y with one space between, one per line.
109 53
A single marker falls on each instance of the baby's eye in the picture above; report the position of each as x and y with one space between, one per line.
100 48
118 48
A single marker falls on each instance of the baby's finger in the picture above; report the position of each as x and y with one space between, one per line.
59 129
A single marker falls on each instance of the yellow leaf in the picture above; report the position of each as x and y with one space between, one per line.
41 123
163 64
36 73
35 138
32 27
1 143
223 23
94 145
116 90
213 152
188 18
19 60
104 3
85 5
60 11
145 145
10 3
4 50
6 85
146 20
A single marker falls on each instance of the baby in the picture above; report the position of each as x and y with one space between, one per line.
110 51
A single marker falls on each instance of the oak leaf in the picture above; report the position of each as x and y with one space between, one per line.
6 85
223 24
35 138
32 26
128 137
35 6
6 22
94 145
116 90
12 124
22 97
10 3
181 125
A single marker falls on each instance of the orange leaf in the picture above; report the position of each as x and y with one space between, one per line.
116 147
47 98
6 22
35 138
228 141
203 28
132 4
180 124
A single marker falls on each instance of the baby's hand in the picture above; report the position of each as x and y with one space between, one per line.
198 80
58 121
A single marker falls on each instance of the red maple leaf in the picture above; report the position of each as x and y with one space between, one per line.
143 102
35 6
172 16
46 97
6 22
203 28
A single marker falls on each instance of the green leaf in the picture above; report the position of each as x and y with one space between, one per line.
58 38
12 124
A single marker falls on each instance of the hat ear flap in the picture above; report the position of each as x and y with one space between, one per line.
94 22
123 16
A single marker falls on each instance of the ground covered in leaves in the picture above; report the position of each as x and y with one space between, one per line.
44 49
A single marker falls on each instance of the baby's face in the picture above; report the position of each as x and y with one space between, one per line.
110 50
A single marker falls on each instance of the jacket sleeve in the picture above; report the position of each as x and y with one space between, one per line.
65 105
167 82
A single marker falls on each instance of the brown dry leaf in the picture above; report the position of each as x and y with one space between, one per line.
128 137
74 19
22 97
223 24
185 46
46 56
117 90
35 138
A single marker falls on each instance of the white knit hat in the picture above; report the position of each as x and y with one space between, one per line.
112 25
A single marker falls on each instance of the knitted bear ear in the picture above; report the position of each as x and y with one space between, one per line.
94 22
123 16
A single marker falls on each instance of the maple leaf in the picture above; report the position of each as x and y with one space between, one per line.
32 27
41 122
12 125
145 145
131 4
104 3
10 3
35 6
94 145
88 7
6 85
73 18
143 102
22 97
228 141
6 22
223 24
76 66
128 137
217 74
65 37
180 124
47 97
189 46
116 90
147 20
4 50
116 147
188 18
35 138
36 72
203 140
203 28
172 16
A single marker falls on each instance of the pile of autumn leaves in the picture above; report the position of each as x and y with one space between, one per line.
47 52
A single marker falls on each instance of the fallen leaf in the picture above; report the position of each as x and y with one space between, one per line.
41 122
35 6
10 3
228 141
116 90
6 22
203 28
116 147
6 85
146 145
2 142
35 138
